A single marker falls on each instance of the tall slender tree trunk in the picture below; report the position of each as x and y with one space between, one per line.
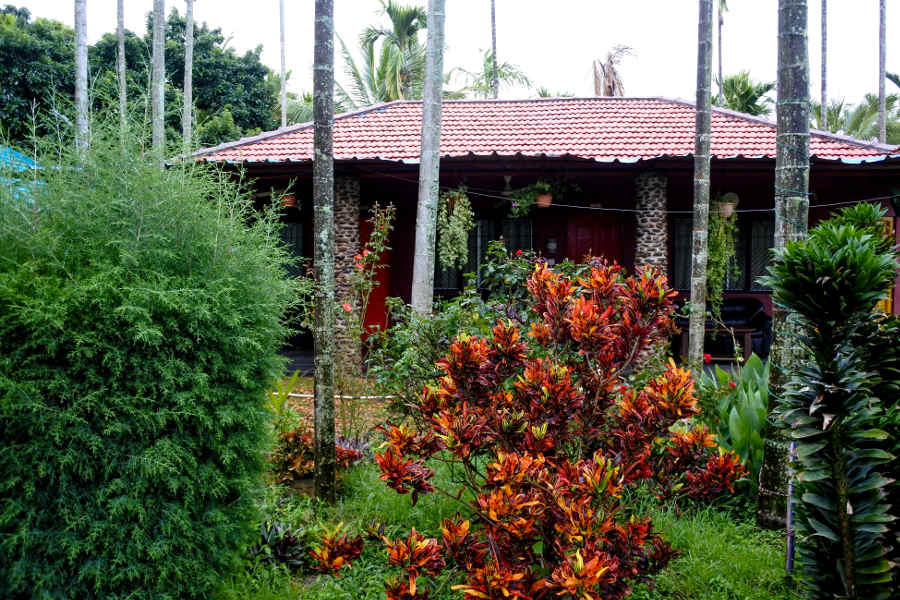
82 129
283 69
721 81
495 78
158 82
791 221
323 257
882 53
429 163
823 113
120 69
697 325
187 116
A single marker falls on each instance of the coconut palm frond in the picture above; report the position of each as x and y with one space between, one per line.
743 94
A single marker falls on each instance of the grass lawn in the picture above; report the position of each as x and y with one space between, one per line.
722 557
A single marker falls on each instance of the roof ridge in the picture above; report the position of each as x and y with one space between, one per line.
888 148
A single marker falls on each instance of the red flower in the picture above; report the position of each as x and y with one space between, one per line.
707 358
365 252
519 252
732 384
346 306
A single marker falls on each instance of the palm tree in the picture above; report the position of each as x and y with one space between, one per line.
745 95
81 76
158 81
405 68
480 84
323 225
283 79
187 116
393 60
723 7
824 101
832 120
607 79
422 296
864 121
496 78
697 325
120 69
882 51
791 219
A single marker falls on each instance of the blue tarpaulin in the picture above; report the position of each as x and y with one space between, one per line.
13 161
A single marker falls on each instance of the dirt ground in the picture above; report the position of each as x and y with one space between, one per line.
353 416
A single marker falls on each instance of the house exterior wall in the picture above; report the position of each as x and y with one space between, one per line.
651 235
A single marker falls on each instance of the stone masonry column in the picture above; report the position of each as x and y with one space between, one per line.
346 246
651 234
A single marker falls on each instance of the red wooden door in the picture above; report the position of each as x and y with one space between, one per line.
590 236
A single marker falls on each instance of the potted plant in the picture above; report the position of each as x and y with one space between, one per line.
455 221
288 200
524 198
727 204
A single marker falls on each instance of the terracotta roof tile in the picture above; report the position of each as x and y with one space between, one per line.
602 129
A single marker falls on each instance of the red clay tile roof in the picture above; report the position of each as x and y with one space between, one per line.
602 129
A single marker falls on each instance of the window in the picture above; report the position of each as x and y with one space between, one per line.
752 245
518 233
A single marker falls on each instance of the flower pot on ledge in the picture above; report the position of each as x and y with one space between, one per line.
544 200
288 201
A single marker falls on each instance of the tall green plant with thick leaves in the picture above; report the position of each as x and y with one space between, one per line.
141 310
833 280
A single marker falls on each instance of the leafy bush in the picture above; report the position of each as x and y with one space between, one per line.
294 455
140 315
832 281
543 438
278 544
739 403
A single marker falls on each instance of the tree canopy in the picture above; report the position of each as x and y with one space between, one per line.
232 93
743 94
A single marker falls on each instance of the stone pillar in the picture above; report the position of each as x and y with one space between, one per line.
346 246
651 234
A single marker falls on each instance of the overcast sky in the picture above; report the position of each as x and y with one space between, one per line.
554 41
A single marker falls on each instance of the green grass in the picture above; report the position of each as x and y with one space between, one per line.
723 557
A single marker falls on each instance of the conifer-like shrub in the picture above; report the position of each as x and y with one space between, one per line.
140 314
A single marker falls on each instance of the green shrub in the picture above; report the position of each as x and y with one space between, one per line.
832 410
140 314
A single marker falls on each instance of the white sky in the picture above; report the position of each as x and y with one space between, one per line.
554 41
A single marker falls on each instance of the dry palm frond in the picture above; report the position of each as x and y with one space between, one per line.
607 79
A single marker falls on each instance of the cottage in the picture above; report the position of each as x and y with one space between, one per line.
629 160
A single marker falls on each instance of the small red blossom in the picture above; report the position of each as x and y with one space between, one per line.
707 358
732 384
346 306
519 252
365 252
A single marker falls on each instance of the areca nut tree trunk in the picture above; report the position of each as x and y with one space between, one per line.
723 6
823 111
697 324
158 81
429 162
187 116
791 223
323 253
495 80
81 76
120 69
283 68
882 52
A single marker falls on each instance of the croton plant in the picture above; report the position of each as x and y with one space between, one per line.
546 434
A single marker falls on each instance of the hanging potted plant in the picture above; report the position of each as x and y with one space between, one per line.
288 200
455 221
524 198
720 262
727 204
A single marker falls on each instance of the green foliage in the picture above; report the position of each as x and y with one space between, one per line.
720 263
279 403
38 69
740 402
141 311
402 358
746 95
524 198
455 221
480 83
832 280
